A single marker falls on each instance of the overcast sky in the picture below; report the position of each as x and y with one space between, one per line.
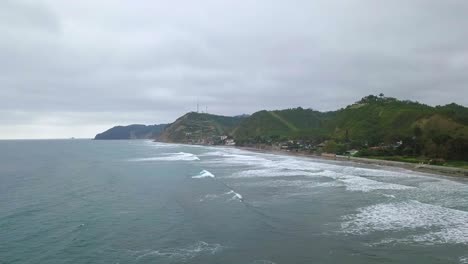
74 68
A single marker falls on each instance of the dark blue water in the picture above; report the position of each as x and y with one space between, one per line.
84 201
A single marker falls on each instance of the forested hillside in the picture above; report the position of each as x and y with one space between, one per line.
377 125
200 128
374 126
132 132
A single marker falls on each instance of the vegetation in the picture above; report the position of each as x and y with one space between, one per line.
200 128
375 126
132 132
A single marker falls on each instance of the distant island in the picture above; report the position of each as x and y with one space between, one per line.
376 127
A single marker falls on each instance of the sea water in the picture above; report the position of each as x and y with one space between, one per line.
85 201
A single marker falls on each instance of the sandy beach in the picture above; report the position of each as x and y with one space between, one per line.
425 168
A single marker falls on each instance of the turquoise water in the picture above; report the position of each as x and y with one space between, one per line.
84 201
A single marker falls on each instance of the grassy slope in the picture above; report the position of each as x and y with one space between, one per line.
197 125
373 122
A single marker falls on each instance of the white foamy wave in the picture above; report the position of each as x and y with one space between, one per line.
463 260
443 192
214 153
270 173
162 145
180 156
396 172
231 193
203 174
236 196
283 183
355 183
445 225
352 178
236 157
182 254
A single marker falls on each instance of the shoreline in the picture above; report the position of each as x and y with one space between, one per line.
423 168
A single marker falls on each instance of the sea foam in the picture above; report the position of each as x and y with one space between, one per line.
203 174
180 156
236 196
232 194
441 224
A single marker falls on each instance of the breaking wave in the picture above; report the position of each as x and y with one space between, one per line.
258 173
183 156
236 196
232 194
270 166
203 174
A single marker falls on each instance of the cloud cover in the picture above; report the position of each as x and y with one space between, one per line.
73 68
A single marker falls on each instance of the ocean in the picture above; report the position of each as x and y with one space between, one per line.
85 201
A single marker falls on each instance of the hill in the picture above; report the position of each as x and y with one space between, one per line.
269 126
132 132
200 128
377 125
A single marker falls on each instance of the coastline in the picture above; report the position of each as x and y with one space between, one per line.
423 168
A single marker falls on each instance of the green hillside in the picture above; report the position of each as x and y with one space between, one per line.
131 132
267 126
377 125
200 128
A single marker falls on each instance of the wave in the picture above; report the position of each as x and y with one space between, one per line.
356 183
236 196
182 254
258 173
442 225
203 174
179 156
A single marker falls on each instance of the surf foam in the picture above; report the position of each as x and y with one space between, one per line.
441 224
236 196
203 174
180 156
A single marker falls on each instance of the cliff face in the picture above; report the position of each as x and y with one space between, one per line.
132 132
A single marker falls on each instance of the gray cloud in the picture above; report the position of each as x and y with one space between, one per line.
73 68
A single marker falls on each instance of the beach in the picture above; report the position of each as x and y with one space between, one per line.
424 168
